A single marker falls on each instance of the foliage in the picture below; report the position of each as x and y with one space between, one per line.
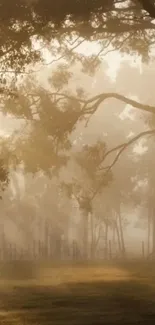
89 181
125 24
52 116
90 158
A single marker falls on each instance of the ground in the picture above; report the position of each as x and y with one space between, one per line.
81 294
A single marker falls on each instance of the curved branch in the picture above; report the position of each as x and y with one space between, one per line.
102 97
122 147
90 106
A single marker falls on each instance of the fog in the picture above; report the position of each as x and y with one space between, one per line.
29 201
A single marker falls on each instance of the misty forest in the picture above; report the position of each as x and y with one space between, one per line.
77 152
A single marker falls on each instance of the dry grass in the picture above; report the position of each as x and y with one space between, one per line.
81 294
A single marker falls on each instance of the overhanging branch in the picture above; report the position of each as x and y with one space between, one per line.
97 100
122 147
119 149
90 106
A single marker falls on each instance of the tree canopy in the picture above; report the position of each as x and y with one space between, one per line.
52 116
126 25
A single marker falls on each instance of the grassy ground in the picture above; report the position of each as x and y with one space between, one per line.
81 294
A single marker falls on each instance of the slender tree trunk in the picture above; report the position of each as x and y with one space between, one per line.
106 239
85 235
92 237
118 237
153 231
149 231
46 237
121 233
113 234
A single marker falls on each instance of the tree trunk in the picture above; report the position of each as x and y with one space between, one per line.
149 231
153 231
85 235
106 239
113 234
93 246
46 237
123 250
118 237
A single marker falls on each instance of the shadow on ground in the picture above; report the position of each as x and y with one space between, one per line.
119 302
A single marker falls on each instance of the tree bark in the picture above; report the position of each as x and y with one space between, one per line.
149 231
123 250
93 237
85 235
114 234
106 239
118 237
153 231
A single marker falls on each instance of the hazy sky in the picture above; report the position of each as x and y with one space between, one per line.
114 59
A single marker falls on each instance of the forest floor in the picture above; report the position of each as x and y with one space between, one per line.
81 295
